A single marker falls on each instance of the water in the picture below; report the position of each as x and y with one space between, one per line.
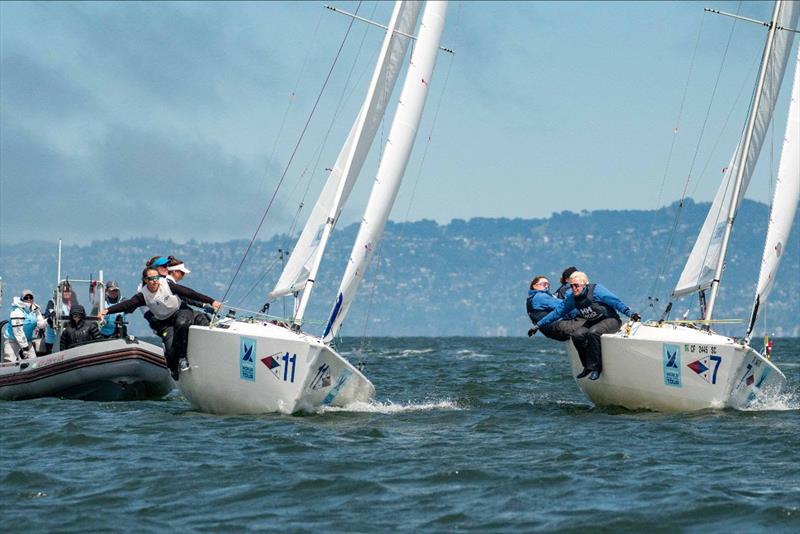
466 434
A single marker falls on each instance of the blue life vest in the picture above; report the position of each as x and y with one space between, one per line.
111 322
49 332
591 309
28 325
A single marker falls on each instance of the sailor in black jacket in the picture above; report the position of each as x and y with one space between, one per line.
79 331
171 318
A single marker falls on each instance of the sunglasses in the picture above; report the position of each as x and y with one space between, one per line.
151 278
544 284
27 297
577 285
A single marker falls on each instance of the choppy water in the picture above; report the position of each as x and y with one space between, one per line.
466 434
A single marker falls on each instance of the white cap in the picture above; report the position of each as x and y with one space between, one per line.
180 267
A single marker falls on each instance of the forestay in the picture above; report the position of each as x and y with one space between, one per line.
306 255
785 199
702 263
394 161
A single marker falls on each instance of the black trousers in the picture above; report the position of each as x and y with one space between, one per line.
562 330
174 333
587 341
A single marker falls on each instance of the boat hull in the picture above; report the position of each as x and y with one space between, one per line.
111 370
675 369
238 367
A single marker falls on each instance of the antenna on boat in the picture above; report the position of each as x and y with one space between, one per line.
379 25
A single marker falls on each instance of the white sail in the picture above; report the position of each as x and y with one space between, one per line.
307 253
785 199
705 257
394 161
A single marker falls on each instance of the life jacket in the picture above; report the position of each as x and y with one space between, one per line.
535 315
49 332
28 323
111 322
591 309
163 303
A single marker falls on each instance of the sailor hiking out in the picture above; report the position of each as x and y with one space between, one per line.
171 317
540 303
600 308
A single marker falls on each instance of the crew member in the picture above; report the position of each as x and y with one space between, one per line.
109 329
25 322
68 299
561 292
540 302
163 299
600 308
79 331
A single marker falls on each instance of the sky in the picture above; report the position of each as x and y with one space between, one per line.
177 120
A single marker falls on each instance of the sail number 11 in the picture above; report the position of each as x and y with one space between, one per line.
286 361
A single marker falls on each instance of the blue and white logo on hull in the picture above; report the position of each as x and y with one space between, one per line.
672 365
247 359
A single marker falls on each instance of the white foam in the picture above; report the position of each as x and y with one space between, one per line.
781 402
390 407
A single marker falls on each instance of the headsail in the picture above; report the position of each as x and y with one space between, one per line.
304 260
784 203
394 161
708 252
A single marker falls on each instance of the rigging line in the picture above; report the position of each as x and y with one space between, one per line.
734 106
291 158
320 149
679 211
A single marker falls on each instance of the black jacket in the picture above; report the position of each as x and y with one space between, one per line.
79 334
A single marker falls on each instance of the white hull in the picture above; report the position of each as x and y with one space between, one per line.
676 368
112 370
239 367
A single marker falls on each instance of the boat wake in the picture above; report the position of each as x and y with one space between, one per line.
390 407
780 402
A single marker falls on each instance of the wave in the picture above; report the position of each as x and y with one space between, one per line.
781 402
390 407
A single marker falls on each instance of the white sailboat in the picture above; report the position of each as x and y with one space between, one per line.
678 366
254 366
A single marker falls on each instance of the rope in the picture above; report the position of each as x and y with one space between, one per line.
291 158
657 281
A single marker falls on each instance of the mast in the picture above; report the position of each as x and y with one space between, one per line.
394 161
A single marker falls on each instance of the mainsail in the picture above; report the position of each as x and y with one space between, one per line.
704 262
305 258
394 161
784 203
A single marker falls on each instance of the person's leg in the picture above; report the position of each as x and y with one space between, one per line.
183 320
563 330
578 338
10 350
594 357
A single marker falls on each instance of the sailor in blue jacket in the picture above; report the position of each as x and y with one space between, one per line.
540 303
601 309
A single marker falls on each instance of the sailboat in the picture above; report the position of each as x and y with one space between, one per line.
256 366
685 366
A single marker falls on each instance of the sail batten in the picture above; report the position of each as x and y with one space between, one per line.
394 161
704 265
300 269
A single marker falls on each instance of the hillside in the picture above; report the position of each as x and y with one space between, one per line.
466 278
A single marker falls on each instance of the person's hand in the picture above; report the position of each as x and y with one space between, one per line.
101 315
216 305
636 318
533 330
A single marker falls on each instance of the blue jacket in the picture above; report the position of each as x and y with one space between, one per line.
567 306
540 303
